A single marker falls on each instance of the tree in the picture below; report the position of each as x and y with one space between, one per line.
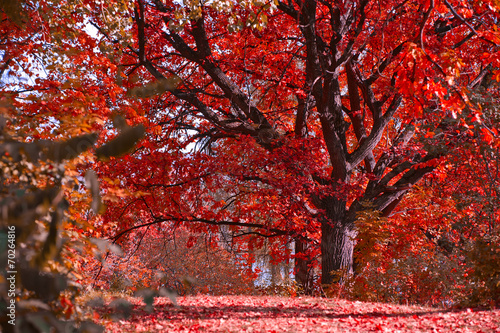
177 260
440 246
307 110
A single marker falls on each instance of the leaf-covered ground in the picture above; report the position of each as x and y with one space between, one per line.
281 314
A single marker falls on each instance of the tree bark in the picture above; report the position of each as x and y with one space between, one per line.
337 242
303 270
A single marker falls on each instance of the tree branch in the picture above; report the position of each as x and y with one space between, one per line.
139 18
477 81
231 90
421 37
389 198
388 157
373 139
158 220
384 64
355 114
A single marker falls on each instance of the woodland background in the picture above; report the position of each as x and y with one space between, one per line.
344 149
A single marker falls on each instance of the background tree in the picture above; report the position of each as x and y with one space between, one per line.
178 260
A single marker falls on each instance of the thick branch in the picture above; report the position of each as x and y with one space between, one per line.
477 81
373 189
231 90
368 95
4 67
347 54
301 118
287 9
356 115
410 178
223 123
373 139
307 21
334 146
200 37
387 158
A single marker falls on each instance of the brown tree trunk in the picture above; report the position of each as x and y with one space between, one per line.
337 243
303 270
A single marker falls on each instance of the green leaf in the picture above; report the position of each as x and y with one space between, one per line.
122 308
92 183
122 144
155 88
59 151
105 245
46 285
148 296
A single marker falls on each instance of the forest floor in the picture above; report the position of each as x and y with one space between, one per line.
284 314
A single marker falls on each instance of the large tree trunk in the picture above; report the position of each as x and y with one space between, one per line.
337 246
337 242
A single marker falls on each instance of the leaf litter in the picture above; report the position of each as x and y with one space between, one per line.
300 314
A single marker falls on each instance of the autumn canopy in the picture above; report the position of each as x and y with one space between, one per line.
347 137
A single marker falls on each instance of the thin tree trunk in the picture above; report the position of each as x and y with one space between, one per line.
303 269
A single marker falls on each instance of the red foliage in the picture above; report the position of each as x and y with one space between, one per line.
284 121
180 261
276 314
